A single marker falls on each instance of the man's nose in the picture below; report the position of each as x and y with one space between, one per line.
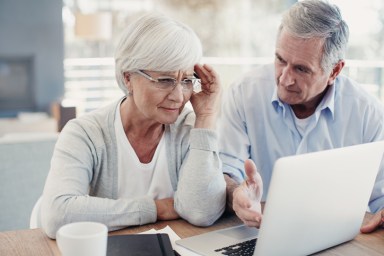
286 77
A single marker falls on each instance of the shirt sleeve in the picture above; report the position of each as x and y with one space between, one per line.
201 190
234 144
376 133
376 202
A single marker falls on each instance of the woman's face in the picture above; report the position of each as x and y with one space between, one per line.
154 103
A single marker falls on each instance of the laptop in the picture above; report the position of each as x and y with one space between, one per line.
315 201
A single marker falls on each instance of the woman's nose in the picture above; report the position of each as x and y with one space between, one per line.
177 93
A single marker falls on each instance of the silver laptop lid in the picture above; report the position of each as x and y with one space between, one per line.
315 201
318 200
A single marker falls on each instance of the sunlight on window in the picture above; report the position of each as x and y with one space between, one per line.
236 36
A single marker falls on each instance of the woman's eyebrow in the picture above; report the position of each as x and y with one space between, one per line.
165 74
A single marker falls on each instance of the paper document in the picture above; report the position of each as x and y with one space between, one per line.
173 237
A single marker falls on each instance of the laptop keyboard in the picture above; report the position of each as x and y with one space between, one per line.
244 248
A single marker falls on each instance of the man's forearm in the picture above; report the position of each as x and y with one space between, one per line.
231 186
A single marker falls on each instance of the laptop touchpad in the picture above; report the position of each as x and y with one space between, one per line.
241 232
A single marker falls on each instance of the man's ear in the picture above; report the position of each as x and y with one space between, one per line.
336 71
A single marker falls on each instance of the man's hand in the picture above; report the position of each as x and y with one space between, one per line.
247 197
165 209
375 222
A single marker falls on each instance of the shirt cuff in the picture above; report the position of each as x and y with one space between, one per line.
203 139
147 208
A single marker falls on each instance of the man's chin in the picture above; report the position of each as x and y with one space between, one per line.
287 100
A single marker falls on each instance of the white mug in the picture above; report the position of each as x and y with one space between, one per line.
82 239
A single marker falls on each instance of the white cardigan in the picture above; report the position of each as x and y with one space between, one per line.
82 183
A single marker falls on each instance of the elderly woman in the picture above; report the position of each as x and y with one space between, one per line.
146 157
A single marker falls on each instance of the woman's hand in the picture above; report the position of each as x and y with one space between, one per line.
206 103
165 209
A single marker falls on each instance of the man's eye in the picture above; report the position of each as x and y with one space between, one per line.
302 69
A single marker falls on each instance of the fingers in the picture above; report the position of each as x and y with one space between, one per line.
250 171
376 221
254 180
205 72
208 77
255 224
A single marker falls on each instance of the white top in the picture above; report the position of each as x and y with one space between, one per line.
301 124
151 179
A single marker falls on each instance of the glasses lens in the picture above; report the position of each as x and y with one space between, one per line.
166 83
190 84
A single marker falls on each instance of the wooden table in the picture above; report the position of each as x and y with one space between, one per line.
35 242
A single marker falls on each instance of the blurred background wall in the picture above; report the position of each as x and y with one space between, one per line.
31 55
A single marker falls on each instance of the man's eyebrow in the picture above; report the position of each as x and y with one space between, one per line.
296 65
303 66
278 56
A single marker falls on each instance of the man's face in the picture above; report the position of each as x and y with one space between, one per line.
299 77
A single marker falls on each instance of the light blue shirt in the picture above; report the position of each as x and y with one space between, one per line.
255 124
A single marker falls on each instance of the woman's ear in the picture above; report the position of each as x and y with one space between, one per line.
127 81
127 77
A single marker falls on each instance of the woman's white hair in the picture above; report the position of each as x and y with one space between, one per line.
157 43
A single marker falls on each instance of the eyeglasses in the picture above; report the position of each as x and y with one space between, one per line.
169 83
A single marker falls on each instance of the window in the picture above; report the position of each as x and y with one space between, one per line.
236 35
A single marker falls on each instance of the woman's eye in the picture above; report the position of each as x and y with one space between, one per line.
187 81
167 81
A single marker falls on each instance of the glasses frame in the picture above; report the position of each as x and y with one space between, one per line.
195 81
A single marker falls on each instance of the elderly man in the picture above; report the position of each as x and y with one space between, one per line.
300 105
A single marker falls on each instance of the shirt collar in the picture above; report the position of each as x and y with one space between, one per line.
327 102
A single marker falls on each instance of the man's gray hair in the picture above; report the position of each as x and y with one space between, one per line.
319 19
157 43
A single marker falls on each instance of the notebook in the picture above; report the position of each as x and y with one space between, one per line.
140 245
315 201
